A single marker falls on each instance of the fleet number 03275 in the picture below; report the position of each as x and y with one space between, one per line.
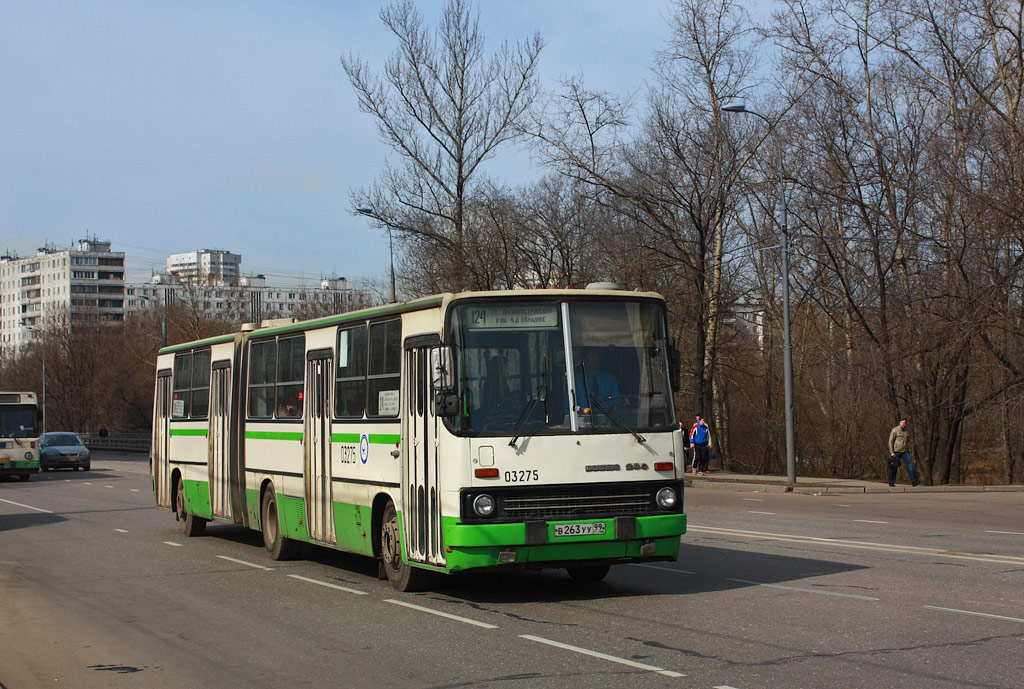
521 476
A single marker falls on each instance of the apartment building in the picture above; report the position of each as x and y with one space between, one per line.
83 284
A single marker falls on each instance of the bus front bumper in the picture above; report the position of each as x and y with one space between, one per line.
537 544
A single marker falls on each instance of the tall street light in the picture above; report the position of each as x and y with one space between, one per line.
787 343
371 213
42 342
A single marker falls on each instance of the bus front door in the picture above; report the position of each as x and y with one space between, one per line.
421 492
319 487
161 439
219 439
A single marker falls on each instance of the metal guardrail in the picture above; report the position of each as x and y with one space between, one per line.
127 442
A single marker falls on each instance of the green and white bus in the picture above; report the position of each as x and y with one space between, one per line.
19 431
456 432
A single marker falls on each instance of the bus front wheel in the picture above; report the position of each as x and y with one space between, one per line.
402 576
279 547
191 525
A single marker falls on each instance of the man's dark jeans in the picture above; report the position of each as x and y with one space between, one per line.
908 462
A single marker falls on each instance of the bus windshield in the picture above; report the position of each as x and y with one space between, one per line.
548 367
18 421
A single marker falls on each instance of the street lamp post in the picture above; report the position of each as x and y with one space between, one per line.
371 213
787 342
42 343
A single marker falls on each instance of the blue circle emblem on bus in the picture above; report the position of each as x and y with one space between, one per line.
364 448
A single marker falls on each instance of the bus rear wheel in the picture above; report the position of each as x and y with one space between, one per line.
279 547
402 576
589 573
191 525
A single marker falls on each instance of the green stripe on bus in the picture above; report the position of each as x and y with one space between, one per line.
374 439
189 431
272 435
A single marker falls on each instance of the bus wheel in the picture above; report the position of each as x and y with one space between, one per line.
402 576
279 547
191 525
588 573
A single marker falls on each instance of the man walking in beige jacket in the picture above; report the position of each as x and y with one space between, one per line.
899 448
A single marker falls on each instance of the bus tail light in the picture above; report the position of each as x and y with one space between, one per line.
663 466
486 473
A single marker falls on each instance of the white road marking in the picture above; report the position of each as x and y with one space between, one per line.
603 656
794 588
243 562
859 545
665 569
328 585
840 505
1008 533
869 521
724 686
108 486
87 483
441 614
756 512
754 499
27 507
134 490
121 530
176 545
977 614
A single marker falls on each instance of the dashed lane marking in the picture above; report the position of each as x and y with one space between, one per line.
328 585
795 588
869 521
176 545
756 512
465 620
976 614
121 530
857 545
1008 533
243 562
27 507
602 656
665 569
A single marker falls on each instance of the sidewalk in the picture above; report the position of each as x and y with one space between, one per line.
821 486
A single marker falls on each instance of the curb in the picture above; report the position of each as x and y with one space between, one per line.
853 488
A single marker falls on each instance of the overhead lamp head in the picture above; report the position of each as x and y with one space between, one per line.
735 106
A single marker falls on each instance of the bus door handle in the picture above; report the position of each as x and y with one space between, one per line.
395 453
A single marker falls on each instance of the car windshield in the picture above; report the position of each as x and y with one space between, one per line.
513 361
18 421
62 439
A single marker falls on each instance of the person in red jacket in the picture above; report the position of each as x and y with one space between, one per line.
700 440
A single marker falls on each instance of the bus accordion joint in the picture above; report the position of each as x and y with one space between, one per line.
486 473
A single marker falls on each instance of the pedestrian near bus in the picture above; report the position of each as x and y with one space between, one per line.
687 448
899 449
700 440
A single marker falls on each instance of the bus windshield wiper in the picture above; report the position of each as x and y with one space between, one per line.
614 417
540 394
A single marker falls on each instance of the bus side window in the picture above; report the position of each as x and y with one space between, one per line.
262 377
350 393
182 385
291 368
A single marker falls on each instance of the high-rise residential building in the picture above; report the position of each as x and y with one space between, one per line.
205 267
82 284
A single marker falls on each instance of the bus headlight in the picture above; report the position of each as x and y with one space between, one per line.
483 505
666 498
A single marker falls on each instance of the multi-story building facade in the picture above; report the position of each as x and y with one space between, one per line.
82 284
205 267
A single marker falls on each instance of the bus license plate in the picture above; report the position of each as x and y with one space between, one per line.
588 529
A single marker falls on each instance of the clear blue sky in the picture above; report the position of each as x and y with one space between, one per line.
178 125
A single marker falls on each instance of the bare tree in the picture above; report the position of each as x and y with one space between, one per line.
443 106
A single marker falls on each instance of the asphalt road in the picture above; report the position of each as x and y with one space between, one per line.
100 589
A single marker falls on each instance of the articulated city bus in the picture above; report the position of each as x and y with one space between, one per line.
451 433
19 430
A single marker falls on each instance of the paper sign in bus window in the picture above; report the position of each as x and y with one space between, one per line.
387 403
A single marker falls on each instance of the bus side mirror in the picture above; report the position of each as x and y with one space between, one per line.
675 366
441 368
446 404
